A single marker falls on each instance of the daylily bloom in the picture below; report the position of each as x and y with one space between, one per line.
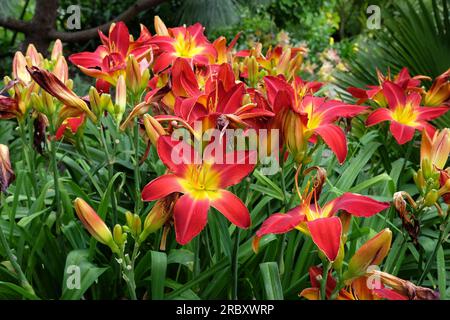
302 117
277 61
94 224
182 42
219 102
324 228
439 92
369 254
109 60
405 113
71 124
375 92
321 223
358 289
7 175
406 289
202 184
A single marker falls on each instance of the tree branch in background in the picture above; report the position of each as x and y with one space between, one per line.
41 29
130 13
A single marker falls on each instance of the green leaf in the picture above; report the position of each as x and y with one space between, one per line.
158 276
442 276
271 279
79 275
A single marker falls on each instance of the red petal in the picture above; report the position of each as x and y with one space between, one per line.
378 116
176 155
402 133
161 187
334 137
241 165
232 208
389 294
184 82
394 94
190 217
120 37
326 234
281 222
358 205
429 113
232 99
162 62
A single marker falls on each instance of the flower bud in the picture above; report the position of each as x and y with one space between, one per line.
57 50
431 197
153 129
158 216
19 68
370 253
94 224
160 27
121 99
7 175
119 236
136 226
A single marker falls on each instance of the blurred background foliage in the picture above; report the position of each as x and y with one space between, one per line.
320 25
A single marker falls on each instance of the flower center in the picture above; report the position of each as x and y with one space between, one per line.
405 114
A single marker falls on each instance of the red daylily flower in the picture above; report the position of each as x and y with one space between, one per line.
321 223
357 290
72 124
375 92
203 185
184 42
108 61
405 113
302 117
218 101
439 93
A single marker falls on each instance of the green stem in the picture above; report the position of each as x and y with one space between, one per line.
54 163
128 271
110 161
137 175
442 235
286 207
235 264
12 258
323 283
26 155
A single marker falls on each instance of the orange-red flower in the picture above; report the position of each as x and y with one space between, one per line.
203 183
321 223
302 117
375 92
439 92
405 113
183 42
109 60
